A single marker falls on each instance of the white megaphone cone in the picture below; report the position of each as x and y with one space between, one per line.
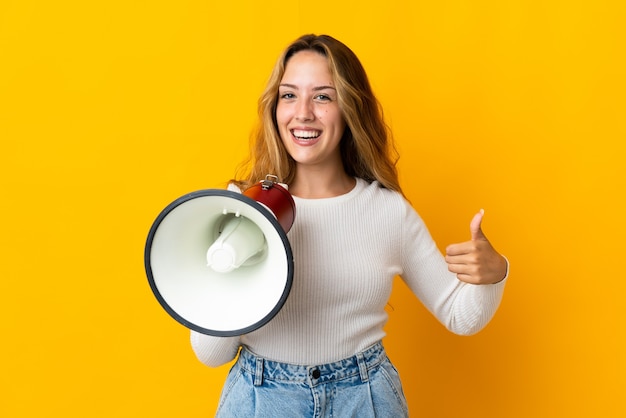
219 262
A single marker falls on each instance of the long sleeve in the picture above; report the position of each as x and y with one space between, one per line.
463 308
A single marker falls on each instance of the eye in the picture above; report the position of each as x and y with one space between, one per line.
287 96
323 97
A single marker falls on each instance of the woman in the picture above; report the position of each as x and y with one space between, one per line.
322 132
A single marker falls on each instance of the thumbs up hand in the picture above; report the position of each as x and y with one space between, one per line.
476 261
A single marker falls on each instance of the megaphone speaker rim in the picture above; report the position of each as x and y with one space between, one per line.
277 231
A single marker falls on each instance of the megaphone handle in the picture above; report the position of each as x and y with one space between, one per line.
269 181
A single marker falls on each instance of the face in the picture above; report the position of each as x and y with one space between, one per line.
308 115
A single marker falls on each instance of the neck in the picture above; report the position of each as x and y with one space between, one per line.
319 184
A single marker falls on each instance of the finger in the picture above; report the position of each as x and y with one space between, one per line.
460 248
460 259
465 273
467 278
476 226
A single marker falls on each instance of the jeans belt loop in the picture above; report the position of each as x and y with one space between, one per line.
360 359
258 375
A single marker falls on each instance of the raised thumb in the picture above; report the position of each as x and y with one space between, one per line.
475 226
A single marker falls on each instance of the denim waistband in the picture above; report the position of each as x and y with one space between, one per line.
359 364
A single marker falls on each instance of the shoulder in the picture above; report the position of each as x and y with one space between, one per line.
391 203
380 194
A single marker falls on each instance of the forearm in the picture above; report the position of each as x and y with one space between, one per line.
214 351
473 307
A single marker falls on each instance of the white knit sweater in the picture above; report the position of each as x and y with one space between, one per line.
347 251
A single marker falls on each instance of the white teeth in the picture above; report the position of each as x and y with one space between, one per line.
306 134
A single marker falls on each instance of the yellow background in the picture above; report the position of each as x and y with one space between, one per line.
109 110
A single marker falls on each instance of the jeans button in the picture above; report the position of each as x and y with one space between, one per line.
316 374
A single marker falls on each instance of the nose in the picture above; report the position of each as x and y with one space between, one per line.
304 111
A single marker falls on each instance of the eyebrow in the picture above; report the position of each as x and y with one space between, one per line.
318 88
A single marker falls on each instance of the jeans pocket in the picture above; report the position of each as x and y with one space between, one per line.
392 379
234 375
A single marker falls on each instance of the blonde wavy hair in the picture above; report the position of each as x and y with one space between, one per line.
367 147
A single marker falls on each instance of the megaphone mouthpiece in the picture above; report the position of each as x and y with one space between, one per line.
240 242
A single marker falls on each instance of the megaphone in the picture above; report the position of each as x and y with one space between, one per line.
219 262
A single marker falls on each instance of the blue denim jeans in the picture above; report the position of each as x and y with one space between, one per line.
365 385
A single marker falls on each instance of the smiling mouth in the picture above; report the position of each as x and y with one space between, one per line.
305 135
